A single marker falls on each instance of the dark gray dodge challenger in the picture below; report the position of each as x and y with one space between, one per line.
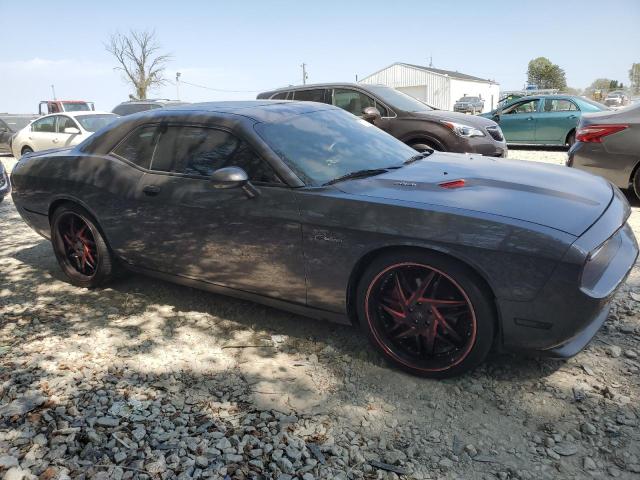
305 207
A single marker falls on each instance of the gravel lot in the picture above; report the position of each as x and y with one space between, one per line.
147 379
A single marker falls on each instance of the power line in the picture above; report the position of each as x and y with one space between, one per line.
183 82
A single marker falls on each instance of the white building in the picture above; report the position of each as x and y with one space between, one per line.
440 88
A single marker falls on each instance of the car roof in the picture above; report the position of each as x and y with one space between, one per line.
259 110
149 101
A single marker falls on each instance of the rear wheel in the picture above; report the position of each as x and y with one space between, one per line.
80 248
636 183
26 150
571 138
426 313
423 146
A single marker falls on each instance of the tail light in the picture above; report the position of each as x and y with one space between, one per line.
595 133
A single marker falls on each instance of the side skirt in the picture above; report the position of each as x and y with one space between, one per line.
296 308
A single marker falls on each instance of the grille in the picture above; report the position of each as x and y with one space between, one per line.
495 133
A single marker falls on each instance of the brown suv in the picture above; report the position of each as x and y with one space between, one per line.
415 123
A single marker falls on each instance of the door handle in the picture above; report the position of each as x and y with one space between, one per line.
55 140
529 118
151 190
572 116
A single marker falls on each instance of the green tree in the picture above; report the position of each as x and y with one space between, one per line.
545 74
634 78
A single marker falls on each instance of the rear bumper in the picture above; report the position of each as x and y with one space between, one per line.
568 311
617 167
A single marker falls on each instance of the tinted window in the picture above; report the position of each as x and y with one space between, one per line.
76 107
93 123
138 147
323 145
558 105
352 101
65 122
280 96
47 124
201 151
523 107
128 109
318 95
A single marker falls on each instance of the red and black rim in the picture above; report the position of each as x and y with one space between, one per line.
421 317
78 244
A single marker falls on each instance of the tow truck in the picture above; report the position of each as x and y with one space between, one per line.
56 106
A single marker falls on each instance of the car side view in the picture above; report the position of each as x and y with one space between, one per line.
415 123
470 105
542 120
58 130
303 206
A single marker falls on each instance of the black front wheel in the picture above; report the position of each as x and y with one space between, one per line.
426 313
80 248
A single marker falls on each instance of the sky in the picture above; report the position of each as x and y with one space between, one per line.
244 47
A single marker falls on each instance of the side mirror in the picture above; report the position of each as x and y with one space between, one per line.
229 177
371 114
72 131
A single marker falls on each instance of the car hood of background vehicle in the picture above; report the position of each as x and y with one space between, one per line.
438 115
551 195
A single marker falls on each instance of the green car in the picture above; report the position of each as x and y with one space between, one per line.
542 120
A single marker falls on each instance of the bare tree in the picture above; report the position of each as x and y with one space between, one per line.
138 54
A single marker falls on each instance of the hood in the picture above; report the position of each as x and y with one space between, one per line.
551 195
437 115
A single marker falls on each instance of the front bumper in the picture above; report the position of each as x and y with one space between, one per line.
568 311
614 165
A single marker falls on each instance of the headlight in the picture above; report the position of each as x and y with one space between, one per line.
463 130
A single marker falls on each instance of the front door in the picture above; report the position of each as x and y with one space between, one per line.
66 139
558 117
189 228
43 133
518 121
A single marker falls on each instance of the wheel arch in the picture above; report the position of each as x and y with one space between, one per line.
423 138
362 263
566 138
58 202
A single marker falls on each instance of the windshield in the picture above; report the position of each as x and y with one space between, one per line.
468 99
93 123
76 107
397 99
323 145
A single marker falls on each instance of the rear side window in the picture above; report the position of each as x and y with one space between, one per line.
201 151
47 124
559 105
280 96
139 146
321 95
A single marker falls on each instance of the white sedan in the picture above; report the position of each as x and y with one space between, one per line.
58 130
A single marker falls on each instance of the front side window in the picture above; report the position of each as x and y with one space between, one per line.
65 122
201 151
44 125
323 145
352 101
280 96
139 146
529 106
559 105
321 95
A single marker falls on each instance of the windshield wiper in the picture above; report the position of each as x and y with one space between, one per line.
417 157
357 174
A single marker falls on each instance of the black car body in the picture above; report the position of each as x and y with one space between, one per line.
409 120
470 105
608 144
135 106
304 207
9 125
5 185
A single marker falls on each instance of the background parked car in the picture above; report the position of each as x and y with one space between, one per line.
415 123
5 186
9 126
471 105
543 120
135 106
608 144
58 130
616 99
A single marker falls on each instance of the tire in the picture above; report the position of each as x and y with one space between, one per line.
571 138
636 183
25 150
448 333
81 251
424 146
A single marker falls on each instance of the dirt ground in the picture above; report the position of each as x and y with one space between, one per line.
146 379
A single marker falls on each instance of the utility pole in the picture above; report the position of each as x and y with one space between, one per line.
53 90
431 61
356 78
304 73
178 85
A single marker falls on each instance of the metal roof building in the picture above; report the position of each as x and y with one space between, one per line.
440 88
